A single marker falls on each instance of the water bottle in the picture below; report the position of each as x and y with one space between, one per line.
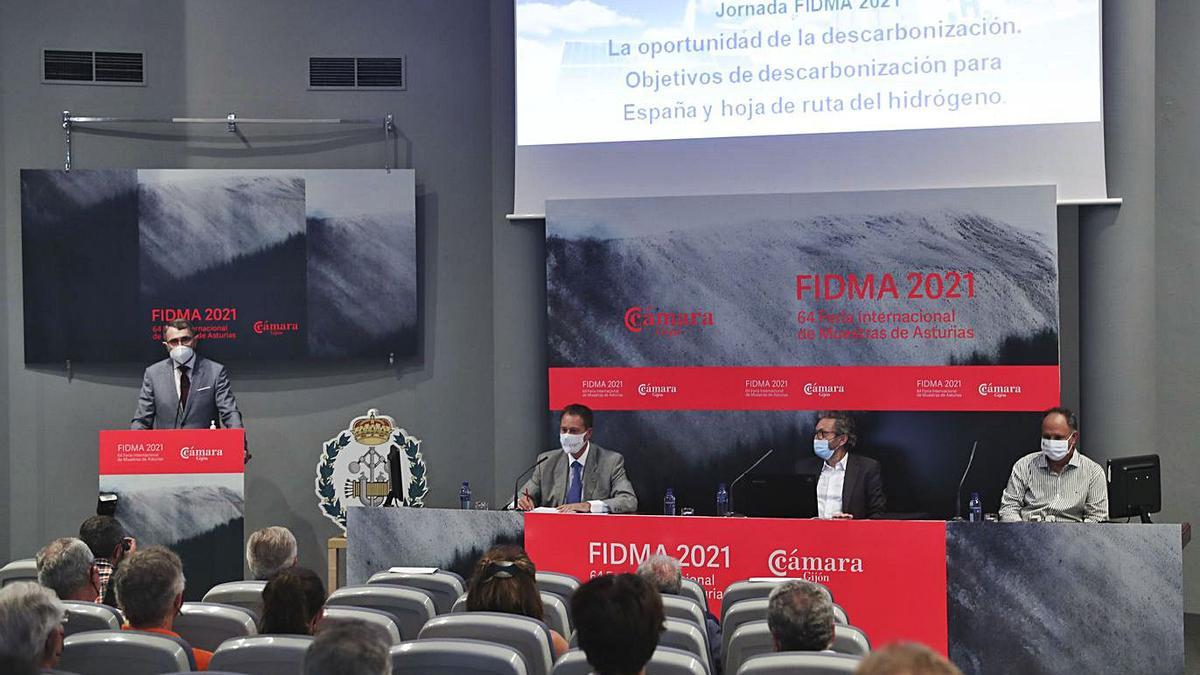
722 500
669 503
975 506
464 496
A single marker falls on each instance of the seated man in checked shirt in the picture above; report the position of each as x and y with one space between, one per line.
1058 483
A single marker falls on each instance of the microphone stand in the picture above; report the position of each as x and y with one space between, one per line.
517 485
958 495
744 473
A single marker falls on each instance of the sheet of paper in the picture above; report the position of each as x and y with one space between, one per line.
412 570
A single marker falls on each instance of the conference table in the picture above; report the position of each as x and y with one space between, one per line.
995 597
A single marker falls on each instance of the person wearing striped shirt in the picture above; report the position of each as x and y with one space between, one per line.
1058 483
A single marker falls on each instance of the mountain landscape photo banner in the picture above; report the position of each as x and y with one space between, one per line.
930 300
710 330
266 264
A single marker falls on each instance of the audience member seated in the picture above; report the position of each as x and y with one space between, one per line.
270 550
348 648
150 591
906 658
618 620
67 567
505 581
293 602
110 544
800 617
31 627
666 574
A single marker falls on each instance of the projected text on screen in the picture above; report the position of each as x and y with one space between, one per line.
593 71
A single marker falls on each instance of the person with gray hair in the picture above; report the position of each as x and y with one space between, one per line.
269 551
150 592
666 574
348 648
31 625
67 567
663 572
800 617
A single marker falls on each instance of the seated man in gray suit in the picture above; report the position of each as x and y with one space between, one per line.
581 477
185 390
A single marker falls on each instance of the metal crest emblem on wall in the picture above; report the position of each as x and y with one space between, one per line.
353 470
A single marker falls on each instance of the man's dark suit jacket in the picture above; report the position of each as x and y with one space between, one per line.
862 491
210 399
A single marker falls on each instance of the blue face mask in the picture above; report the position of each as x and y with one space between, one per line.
821 448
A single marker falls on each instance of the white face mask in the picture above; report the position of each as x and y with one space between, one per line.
1055 450
821 448
181 354
571 443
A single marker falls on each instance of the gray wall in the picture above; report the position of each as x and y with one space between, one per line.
519 288
1173 431
5 480
476 395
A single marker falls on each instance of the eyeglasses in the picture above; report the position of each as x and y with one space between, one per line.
185 340
828 435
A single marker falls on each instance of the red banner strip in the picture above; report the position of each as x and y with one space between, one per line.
889 576
171 451
989 388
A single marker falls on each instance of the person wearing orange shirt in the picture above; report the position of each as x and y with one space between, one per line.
150 592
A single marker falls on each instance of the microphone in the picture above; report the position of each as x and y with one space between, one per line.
526 472
744 473
958 496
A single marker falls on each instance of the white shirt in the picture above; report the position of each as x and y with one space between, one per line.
1078 493
829 488
598 506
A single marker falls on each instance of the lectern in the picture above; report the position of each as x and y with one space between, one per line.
184 489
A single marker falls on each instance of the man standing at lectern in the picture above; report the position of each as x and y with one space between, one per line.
582 477
185 390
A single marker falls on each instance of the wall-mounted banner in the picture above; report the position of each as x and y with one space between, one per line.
907 300
266 264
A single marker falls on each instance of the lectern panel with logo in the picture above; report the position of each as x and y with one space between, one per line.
184 489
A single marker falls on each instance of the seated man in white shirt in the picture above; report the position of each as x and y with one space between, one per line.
1057 483
849 485
800 617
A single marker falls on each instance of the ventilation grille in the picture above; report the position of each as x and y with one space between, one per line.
81 67
356 72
